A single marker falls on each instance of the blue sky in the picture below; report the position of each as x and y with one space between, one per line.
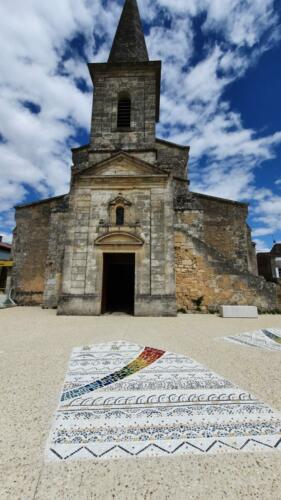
220 94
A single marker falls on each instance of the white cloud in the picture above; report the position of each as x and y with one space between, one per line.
261 247
224 154
243 22
34 36
267 215
174 45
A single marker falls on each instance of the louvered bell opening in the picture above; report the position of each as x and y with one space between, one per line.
124 113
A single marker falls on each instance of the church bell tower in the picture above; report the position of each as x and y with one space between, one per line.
126 90
119 249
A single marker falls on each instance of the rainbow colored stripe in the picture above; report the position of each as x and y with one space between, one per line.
146 358
272 336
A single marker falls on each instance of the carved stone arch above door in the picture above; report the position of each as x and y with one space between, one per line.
119 238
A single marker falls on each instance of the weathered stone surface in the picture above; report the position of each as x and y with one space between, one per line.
140 82
30 250
225 228
205 279
148 199
191 251
172 157
54 262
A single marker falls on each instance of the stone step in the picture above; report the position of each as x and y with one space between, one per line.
239 311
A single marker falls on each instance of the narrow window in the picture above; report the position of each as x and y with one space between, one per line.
124 113
120 216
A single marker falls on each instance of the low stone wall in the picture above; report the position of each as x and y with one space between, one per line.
279 294
205 280
31 298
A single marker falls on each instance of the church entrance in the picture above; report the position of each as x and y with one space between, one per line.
118 283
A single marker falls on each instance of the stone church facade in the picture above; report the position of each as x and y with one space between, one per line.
130 235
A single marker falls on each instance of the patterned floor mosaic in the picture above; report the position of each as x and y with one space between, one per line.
269 339
123 400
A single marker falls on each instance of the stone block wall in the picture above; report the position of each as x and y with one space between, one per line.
140 84
166 155
172 157
54 261
225 228
89 158
30 250
205 279
151 218
191 221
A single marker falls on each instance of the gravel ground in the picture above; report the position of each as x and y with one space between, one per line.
34 353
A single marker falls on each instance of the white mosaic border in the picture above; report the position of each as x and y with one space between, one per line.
258 338
172 407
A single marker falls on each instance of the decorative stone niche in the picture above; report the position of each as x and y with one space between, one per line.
120 212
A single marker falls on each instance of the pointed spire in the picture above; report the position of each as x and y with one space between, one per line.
129 42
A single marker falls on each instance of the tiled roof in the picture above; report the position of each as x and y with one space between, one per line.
5 246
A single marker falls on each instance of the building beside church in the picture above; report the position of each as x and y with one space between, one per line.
269 263
130 235
5 263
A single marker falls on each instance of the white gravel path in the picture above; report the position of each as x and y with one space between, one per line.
35 346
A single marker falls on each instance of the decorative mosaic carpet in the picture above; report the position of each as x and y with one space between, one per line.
123 400
269 338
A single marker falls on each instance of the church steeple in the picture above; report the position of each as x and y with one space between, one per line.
129 42
126 90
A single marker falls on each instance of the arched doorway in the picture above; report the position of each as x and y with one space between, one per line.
118 270
118 289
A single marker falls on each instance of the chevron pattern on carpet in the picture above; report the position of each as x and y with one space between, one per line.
123 400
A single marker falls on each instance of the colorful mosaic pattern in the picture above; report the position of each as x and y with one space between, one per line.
148 356
269 339
164 404
272 336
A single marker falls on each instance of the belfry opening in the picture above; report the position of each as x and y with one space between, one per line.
118 283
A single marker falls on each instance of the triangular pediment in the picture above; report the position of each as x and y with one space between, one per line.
123 164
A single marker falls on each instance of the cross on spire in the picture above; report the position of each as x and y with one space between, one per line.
129 42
